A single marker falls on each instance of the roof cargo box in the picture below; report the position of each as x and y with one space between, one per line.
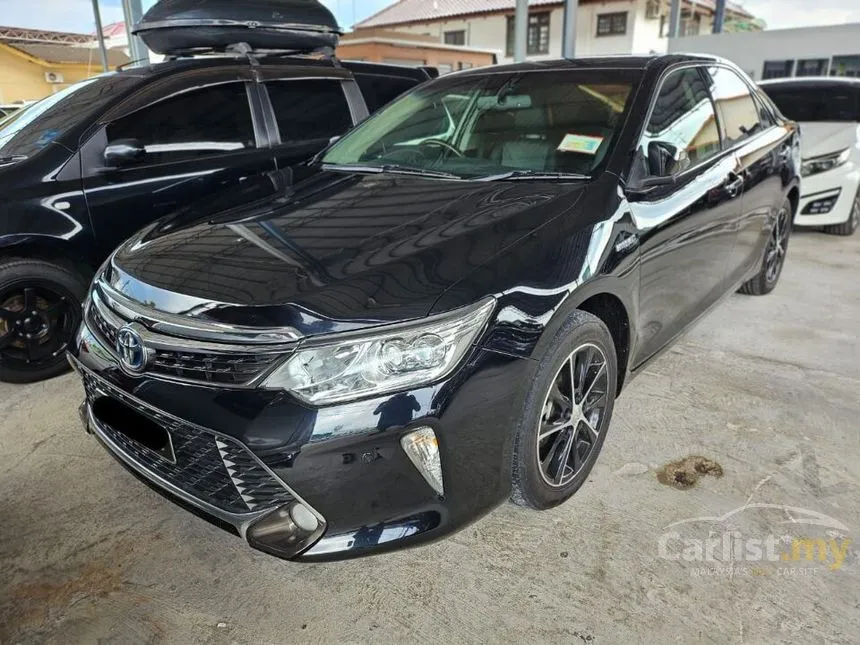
181 26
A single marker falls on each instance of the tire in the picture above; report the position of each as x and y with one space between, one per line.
767 278
850 225
580 333
54 294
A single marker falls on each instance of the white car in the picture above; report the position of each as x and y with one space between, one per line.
828 110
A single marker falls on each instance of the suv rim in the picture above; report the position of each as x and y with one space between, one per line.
572 415
35 325
775 253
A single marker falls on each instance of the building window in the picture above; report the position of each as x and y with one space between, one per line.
444 68
455 37
812 67
612 24
777 69
537 40
465 65
845 66
691 25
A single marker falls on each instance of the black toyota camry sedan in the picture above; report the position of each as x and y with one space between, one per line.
437 313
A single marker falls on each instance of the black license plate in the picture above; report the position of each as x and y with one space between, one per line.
134 425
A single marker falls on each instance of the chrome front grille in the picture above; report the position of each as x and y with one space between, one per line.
233 369
188 360
210 467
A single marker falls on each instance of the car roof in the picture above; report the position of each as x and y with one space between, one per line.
632 61
812 81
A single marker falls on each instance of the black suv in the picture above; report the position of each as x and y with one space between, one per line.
84 169
438 313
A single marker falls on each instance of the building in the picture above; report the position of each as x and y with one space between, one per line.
807 51
602 26
36 63
382 46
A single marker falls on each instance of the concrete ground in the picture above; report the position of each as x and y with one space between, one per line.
766 387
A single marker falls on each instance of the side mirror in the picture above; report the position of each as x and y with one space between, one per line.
124 152
661 159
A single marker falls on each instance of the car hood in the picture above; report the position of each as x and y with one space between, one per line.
825 138
336 251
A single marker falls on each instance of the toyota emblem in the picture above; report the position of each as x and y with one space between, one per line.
132 352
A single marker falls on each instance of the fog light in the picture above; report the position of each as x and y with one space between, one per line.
286 531
422 448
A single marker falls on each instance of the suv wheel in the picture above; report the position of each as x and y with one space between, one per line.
40 310
566 415
774 255
850 225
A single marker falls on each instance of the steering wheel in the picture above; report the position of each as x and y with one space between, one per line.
441 144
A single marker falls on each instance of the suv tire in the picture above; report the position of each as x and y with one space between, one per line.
40 310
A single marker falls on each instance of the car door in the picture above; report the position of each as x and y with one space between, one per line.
307 113
763 149
686 223
195 134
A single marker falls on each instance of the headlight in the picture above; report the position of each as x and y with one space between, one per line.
824 163
395 357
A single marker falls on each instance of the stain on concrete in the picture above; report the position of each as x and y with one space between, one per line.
37 602
685 473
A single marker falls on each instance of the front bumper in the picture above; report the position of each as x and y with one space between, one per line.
344 464
841 183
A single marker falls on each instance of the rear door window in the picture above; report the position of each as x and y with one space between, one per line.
215 120
736 108
308 109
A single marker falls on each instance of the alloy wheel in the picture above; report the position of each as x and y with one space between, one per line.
36 323
777 246
572 416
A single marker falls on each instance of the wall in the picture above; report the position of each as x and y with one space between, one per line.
418 54
750 50
489 31
23 79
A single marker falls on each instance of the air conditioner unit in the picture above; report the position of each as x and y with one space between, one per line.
54 77
652 9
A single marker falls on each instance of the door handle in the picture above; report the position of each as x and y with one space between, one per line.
735 186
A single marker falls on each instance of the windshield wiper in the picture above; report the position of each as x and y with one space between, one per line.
393 168
13 158
532 174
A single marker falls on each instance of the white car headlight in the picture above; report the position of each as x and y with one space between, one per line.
815 165
355 365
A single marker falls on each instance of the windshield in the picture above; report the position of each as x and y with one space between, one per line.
29 130
816 103
495 125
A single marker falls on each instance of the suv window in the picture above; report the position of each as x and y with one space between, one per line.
682 130
814 103
737 110
197 123
380 90
309 109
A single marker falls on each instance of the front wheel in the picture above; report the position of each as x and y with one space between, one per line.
774 255
40 310
566 415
